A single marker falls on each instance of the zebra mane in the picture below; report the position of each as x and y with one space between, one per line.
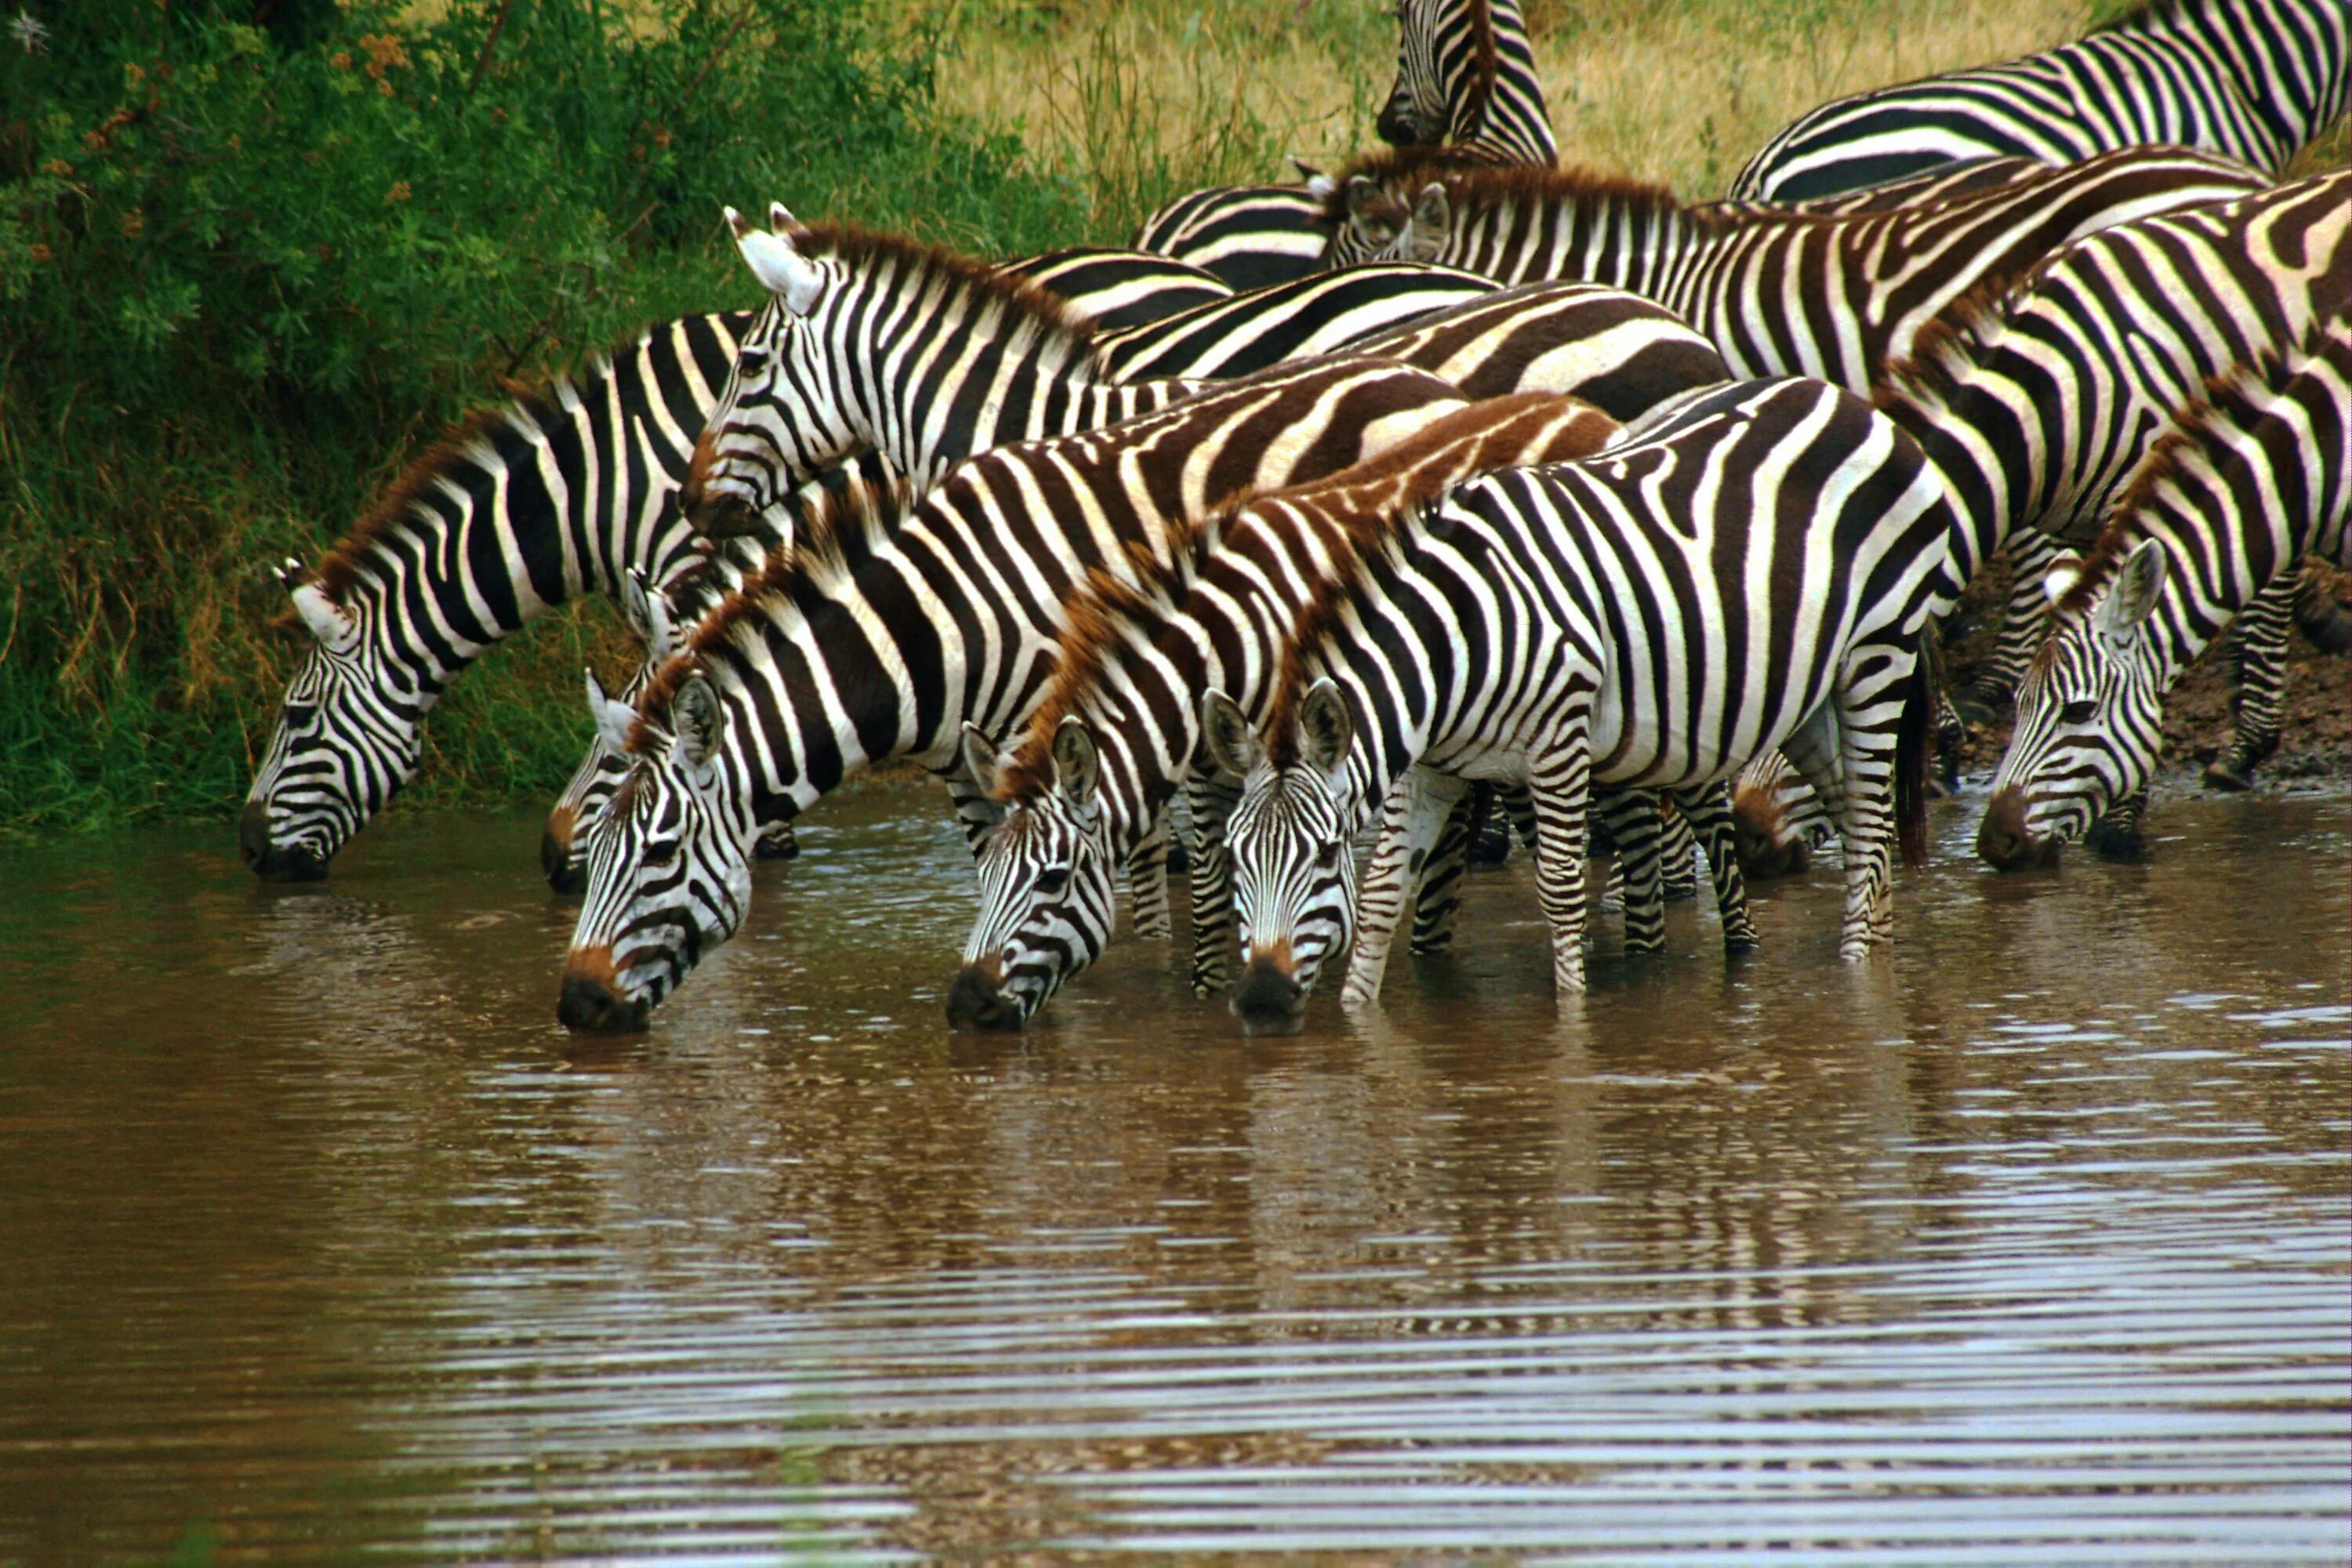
1487 56
485 438
1948 349
1017 298
828 536
2232 401
1475 186
1100 611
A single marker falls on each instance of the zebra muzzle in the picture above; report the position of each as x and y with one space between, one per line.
977 1000
1269 1000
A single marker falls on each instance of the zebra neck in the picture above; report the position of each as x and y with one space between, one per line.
1507 123
2291 104
1990 439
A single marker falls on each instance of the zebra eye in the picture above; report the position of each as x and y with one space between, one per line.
1327 857
661 851
1053 881
2081 710
299 715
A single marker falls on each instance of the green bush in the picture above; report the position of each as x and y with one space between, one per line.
253 253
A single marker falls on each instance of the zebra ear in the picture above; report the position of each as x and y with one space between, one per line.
2060 580
1364 214
614 720
1319 186
780 269
980 758
1077 766
1225 731
1432 219
329 622
780 219
699 720
648 615
2134 594
1325 726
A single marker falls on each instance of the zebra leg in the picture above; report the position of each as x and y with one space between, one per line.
2261 634
1212 801
1709 813
1438 905
1677 853
1560 780
1519 804
1866 755
776 842
2323 620
1634 822
2024 623
1147 881
2119 835
1412 819
1490 826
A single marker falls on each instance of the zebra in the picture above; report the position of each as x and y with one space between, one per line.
1752 570
1466 82
2247 481
514 512
2255 79
2037 405
1112 741
1459 63
1780 294
877 638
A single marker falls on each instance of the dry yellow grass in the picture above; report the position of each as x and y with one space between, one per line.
1134 101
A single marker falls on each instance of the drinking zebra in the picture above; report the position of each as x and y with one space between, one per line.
515 511
1114 737
2225 504
877 638
1752 569
1778 293
1466 87
2036 407
2251 78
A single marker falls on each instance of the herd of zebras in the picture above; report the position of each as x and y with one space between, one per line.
1451 493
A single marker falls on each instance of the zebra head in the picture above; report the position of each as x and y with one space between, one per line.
2090 716
779 420
348 737
1420 109
1046 906
669 871
562 849
1382 226
1293 879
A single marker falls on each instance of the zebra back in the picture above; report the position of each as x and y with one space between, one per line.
1248 236
1119 289
1252 332
2255 79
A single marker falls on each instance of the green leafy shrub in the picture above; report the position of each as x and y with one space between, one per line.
252 253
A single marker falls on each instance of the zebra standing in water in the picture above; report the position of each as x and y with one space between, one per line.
1780 294
1752 570
1466 87
2251 78
2224 505
878 638
2037 406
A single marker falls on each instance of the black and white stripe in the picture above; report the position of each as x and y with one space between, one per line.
1752 570
1778 293
2218 515
2251 78
1466 82
2037 408
875 641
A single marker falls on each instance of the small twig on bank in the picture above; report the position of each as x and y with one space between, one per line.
482 64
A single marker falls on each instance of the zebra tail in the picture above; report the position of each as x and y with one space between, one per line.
1915 751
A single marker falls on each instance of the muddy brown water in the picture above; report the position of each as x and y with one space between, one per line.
2025 1245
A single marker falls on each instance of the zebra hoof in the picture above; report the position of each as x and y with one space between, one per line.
2122 846
1681 890
1180 861
2230 773
1741 946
